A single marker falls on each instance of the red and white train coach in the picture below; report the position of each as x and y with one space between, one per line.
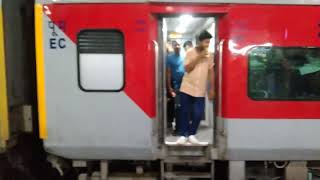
100 69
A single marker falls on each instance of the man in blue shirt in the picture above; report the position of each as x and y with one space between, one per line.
174 75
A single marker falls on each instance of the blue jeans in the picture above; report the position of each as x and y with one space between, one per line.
191 110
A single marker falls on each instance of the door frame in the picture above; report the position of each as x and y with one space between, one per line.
160 74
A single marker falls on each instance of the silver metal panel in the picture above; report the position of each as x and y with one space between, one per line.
273 139
305 2
90 125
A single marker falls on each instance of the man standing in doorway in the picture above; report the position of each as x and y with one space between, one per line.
174 75
199 68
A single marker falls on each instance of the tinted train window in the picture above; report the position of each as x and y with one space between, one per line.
279 73
101 60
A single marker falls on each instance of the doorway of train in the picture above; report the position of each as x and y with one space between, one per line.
178 35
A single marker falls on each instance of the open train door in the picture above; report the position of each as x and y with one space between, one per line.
182 23
193 18
96 80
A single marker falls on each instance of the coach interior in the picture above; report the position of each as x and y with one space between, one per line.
183 28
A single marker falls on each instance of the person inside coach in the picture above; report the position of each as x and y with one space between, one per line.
187 45
174 74
198 65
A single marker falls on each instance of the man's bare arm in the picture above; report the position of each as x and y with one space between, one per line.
190 66
193 62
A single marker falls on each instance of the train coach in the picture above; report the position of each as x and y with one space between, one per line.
101 80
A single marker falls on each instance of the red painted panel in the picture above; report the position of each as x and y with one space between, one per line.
257 25
139 29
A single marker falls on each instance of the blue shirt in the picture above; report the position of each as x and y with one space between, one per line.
175 64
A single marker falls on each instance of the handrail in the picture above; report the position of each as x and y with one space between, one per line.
156 62
220 76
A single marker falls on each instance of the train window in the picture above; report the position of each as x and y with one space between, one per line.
284 73
101 60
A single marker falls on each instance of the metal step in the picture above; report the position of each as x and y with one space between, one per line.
174 168
187 175
203 151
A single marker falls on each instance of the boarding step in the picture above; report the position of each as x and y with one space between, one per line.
203 151
187 175
187 168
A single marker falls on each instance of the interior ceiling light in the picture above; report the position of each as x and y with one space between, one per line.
181 29
175 36
184 21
